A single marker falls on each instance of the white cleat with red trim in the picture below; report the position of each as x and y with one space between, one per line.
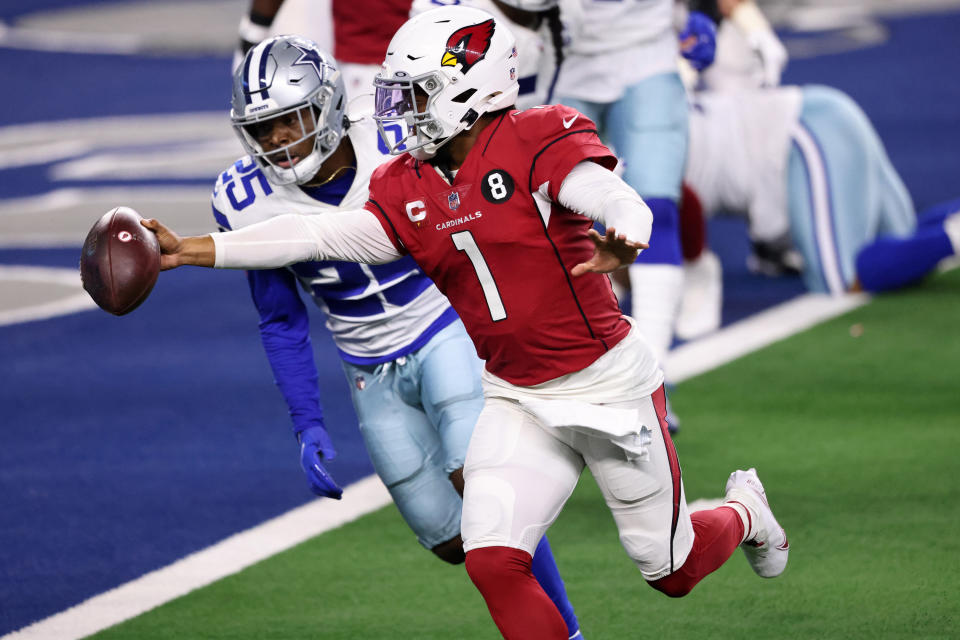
765 544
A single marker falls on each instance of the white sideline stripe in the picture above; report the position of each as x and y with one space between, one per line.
369 494
199 569
757 331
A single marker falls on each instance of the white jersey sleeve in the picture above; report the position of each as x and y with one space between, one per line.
351 236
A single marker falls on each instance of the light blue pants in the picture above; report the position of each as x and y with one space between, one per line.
648 129
416 415
842 189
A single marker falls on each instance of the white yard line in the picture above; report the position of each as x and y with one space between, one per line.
59 306
248 547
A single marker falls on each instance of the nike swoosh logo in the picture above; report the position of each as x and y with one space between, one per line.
414 57
567 123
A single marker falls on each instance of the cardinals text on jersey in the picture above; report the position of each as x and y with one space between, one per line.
529 318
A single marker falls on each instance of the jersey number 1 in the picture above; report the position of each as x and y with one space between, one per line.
463 241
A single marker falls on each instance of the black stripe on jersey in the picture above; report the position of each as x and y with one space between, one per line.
499 122
556 251
384 215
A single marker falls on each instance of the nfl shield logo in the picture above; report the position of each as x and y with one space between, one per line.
453 200
360 382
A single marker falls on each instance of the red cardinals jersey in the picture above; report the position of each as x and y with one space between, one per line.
501 251
362 30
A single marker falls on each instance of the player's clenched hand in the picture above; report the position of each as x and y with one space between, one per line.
176 250
315 447
611 251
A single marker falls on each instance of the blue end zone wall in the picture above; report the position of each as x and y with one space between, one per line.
127 443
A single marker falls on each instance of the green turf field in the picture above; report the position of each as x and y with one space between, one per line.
855 437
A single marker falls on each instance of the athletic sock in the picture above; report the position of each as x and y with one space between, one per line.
717 534
664 234
518 605
655 292
936 214
544 568
891 262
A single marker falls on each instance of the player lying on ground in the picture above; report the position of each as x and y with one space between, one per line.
413 374
496 206
811 175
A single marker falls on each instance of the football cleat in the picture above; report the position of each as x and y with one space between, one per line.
765 544
775 257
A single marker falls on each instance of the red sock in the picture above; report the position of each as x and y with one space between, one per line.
518 604
716 535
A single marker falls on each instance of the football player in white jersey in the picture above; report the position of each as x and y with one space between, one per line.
749 52
412 371
807 169
539 31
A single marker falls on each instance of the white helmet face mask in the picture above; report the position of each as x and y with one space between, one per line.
444 68
286 92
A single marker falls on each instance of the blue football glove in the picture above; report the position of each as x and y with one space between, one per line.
698 40
315 447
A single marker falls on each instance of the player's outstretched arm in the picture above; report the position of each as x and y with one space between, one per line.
176 250
611 251
349 235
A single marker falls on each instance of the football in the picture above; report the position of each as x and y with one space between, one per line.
120 261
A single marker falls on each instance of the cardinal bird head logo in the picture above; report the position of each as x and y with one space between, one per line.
468 46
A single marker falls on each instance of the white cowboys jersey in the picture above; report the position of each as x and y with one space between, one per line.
376 313
615 44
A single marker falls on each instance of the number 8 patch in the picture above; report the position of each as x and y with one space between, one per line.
497 186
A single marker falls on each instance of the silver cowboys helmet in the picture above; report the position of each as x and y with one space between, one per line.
288 79
443 69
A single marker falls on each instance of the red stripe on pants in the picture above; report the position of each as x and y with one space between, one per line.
660 405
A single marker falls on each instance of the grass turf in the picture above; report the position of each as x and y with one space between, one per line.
854 433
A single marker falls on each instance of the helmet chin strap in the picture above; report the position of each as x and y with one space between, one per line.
467 121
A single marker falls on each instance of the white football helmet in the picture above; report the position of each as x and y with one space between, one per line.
288 77
461 62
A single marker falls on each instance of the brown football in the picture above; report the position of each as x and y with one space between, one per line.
120 261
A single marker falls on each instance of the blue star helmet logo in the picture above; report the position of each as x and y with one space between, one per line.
309 57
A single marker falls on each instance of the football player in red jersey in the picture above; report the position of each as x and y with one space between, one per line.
497 206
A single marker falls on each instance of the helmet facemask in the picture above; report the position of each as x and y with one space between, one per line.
443 69
289 115
288 164
405 103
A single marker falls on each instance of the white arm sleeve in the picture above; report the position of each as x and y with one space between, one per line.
602 196
354 236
